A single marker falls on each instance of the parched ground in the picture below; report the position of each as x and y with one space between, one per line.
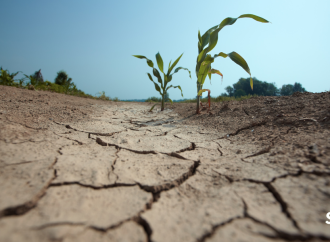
75 169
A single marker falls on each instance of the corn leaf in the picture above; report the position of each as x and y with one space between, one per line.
251 82
214 71
168 87
169 78
174 87
221 54
213 40
231 21
202 74
199 42
255 17
180 89
201 91
149 62
156 74
174 64
209 74
181 68
160 62
153 107
239 60
156 85
206 36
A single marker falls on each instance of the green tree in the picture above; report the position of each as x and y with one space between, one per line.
230 91
62 79
38 76
297 87
261 88
286 90
240 93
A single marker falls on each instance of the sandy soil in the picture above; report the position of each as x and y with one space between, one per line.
76 169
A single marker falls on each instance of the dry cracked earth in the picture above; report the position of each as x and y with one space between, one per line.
75 169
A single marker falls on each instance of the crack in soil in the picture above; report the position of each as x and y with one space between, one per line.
89 133
79 142
146 227
175 183
283 204
59 184
261 152
113 166
26 207
102 143
254 124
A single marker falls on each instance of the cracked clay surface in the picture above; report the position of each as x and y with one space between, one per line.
75 169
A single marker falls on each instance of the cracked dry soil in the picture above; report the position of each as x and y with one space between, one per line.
75 169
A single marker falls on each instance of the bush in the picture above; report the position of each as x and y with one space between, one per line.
154 99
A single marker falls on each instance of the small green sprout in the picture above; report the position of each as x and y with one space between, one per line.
167 77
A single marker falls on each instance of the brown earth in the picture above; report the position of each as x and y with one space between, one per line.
76 169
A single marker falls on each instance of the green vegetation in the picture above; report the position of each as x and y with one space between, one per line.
154 99
206 43
289 89
62 84
8 79
167 77
242 88
158 99
219 99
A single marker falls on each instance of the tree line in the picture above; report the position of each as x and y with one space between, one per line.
261 88
62 82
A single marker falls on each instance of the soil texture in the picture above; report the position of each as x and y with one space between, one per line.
76 169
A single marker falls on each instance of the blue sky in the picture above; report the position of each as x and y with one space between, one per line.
93 41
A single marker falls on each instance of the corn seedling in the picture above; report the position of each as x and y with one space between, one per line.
167 77
204 60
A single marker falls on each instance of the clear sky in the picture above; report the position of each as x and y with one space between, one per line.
93 41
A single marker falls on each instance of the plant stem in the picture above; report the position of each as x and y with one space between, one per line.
163 99
198 98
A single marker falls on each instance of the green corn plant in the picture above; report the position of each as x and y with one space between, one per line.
162 89
206 43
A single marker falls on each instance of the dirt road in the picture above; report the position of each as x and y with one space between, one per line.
74 169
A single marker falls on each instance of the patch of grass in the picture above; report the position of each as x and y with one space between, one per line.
102 96
219 99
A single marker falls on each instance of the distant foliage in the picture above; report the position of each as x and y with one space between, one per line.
38 76
260 88
167 97
221 98
154 99
8 79
62 78
289 89
102 96
36 82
